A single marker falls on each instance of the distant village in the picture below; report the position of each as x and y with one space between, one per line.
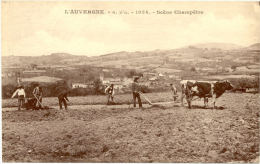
154 74
151 78
16 75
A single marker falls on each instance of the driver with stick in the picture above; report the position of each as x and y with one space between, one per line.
136 94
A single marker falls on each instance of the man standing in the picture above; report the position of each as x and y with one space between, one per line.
21 96
37 92
110 93
135 90
62 96
174 92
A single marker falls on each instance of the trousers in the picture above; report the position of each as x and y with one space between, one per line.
20 101
136 95
62 100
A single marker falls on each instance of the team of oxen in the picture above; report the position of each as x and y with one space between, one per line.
203 89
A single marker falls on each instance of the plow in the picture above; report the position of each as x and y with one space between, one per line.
157 104
43 107
31 104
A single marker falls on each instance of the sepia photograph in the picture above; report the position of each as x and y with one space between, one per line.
130 81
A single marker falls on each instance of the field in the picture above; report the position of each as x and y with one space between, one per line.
99 133
96 99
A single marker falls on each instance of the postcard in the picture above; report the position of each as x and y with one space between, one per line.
130 81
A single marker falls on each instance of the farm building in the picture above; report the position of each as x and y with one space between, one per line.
79 85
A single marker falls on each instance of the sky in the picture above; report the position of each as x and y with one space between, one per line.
32 28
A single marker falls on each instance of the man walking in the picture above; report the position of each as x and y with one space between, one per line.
110 93
62 92
174 92
37 92
21 96
136 94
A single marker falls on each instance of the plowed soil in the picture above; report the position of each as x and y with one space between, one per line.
169 133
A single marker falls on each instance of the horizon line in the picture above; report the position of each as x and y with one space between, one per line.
158 49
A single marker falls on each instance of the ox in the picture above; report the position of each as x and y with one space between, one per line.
203 89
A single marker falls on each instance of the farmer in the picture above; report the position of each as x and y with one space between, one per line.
62 92
63 99
110 93
21 96
136 94
173 91
37 92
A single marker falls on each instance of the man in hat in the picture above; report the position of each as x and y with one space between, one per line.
21 96
136 94
110 93
62 93
173 91
37 92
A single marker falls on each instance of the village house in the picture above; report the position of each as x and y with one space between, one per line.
174 77
83 85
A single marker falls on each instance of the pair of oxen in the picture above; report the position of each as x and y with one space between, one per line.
203 89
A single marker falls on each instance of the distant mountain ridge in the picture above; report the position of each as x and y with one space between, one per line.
222 46
154 57
255 46
60 55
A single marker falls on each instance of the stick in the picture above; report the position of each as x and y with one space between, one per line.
145 98
38 100
131 103
170 102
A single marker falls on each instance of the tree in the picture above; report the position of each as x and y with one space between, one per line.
256 82
131 73
193 69
233 67
33 66
97 86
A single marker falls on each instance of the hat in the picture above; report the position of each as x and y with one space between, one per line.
136 78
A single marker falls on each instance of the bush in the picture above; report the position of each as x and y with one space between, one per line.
243 83
98 87
8 90
49 89
193 69
82 92
233 67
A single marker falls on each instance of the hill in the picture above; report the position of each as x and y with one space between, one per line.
255 46
208 55
222 46
52 59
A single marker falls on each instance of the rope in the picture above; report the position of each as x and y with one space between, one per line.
154 103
